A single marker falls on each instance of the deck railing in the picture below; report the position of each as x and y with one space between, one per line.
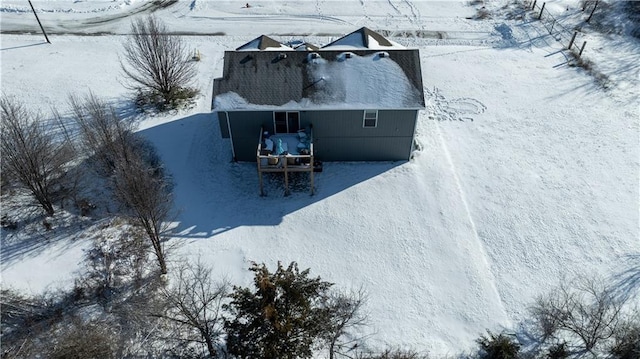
284 163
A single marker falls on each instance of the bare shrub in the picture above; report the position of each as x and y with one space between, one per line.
194 310
585 313
33 155
79 340
345 316
482 14
393 354
589 67
101 131
626 343
26 320
158 64
115 265
7 223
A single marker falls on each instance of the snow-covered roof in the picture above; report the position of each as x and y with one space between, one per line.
363 38
348 73
264 43
330 80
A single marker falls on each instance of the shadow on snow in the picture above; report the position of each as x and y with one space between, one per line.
213 194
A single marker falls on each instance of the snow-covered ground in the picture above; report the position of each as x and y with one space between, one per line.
528 168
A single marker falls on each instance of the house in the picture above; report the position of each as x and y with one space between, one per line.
355 99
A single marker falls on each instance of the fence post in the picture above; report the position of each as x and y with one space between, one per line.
573 38
592 11
534 4
582 48
553 23
541 10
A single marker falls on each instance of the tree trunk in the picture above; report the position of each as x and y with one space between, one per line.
213 353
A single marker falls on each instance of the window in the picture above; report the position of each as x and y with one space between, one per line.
286 122
280 122
370 119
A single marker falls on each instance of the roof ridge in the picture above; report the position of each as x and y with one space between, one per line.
261 42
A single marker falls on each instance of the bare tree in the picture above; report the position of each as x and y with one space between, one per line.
158 63
101 131
32 154
194 305
130 161
586 313
143 189
344 317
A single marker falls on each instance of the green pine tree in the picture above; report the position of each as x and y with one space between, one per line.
280 318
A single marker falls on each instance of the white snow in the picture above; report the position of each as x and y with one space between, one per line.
254 45
361 81
356 82
528 169
375 45
355 41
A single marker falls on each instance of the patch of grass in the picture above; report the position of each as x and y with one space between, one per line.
589 67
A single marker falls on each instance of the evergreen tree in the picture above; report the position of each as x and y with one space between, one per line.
281 318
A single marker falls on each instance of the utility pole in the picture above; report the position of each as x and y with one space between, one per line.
39 23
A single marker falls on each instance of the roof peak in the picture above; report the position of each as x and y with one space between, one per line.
363 38
262 43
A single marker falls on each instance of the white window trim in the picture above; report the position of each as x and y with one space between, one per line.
364 118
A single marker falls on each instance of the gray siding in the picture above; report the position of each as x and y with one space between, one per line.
245 129
338 134
362 148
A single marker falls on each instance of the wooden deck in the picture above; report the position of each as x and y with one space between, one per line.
286 158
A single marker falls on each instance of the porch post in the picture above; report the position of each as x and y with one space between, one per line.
286 175
259 161
313 190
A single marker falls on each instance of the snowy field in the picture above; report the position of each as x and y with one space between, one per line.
528 169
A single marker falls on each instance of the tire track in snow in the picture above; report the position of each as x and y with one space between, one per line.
415 13
439 106
411 18
472 223
394 7
364 13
